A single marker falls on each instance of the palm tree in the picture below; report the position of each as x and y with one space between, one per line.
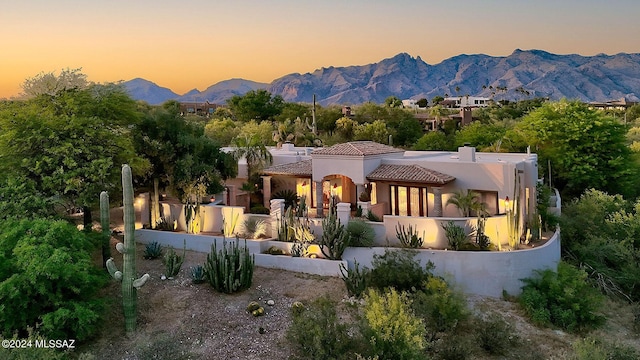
437 111
465 201
254 151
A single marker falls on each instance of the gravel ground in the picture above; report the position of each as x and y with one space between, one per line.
180 320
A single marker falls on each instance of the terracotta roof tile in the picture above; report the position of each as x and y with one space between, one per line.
299 168
409 173
357 148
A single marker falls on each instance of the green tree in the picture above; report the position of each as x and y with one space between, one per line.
376 131
479 135
293 111
182 157
633 114
423 103
52 84
436 100
393 102
71 144
404 126
434 140
345 127
19 199
326 118
264 130
222 130
586 148
256 105
47 277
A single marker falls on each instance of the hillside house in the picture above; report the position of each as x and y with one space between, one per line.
399 182
466 101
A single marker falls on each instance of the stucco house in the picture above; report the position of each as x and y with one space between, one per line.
411 187
400 182
403 188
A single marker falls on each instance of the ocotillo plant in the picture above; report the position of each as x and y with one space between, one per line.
128 251
104 223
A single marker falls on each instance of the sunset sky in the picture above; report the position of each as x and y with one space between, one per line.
195 43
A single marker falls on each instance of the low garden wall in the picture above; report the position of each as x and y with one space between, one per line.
486 273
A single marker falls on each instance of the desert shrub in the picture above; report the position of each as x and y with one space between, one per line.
260 209
47 277
563 298
31 352
316 332
152 250
19 199
254 228
166 223
163 346
356 279
394 332
592 348
439 306
197 274
230 269
494 334
454 346
373 217
398 269
173 262
360 233
409 238
456 236
599 234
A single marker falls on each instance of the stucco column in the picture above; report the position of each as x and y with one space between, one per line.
437 201
277 212
319 198
344 213
266 190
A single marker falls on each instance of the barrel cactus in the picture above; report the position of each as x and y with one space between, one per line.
128 250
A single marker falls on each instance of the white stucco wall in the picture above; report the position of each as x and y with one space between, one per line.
477 272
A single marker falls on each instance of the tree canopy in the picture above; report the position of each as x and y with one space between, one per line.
70 144
181 156
256 105
586 148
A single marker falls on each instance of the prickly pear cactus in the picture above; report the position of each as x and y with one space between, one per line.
128 251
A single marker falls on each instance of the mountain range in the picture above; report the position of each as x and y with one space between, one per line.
522 74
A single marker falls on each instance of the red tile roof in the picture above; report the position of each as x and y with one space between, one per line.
357 148
299 168
409 173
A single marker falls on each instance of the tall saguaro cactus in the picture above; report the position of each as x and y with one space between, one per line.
104 223
128 250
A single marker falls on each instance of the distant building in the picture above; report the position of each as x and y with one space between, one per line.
620 104
198 108
466 101
410 104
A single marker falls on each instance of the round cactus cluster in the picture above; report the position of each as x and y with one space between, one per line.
255 309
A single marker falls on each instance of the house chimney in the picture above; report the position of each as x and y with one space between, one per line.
467 153
287 146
